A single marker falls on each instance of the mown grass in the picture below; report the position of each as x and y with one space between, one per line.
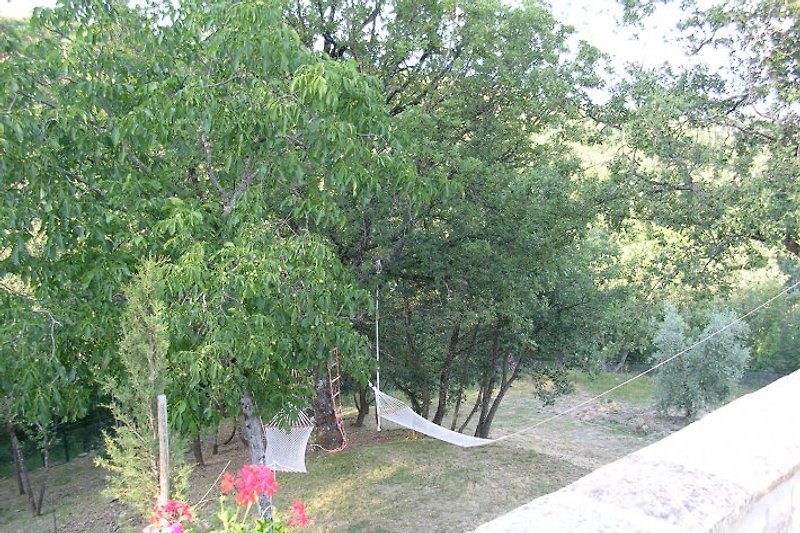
388 481
639 392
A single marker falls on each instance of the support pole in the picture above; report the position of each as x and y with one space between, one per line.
377 357
163 451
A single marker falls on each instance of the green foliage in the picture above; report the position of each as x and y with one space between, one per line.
706 376
773 330
551 382
207 135
132 449
483 272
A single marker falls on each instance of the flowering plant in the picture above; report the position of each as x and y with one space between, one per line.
248 486
169 517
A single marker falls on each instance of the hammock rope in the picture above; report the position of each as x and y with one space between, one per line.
396 411
335 390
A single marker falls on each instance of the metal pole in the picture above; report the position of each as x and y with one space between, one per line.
378 358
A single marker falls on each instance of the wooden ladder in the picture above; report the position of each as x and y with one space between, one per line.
335 385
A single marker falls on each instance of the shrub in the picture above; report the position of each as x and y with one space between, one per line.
132 447
706 376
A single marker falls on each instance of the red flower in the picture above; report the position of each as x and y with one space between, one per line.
167 518
171 511
251 482
298 518
227 483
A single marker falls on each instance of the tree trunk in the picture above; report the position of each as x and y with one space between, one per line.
329 436
26 479
253 430
425 407
45 479
197 450
19 463
362 404
233 431
462 384
488 385
215 442
242 433
456 408
421 404
621 364
444 375
791 245
486 423
475 407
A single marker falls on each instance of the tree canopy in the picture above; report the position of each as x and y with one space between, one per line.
283 161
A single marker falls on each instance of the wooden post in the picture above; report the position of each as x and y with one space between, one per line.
163 450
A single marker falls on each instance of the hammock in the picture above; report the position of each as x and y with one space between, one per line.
286 445
396 411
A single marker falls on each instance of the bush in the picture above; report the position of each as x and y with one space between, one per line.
706 376
132 448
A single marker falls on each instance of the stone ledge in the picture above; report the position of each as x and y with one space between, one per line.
736 469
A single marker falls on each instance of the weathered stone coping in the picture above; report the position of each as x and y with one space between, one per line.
735 470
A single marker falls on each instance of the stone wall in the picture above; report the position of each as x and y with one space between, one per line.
735 470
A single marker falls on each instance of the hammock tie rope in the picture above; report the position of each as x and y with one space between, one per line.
335 390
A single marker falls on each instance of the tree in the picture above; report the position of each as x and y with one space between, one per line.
207 135
484 97
773 331
720 152
132 447
41 387
706 376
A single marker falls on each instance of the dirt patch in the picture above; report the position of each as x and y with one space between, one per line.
637 420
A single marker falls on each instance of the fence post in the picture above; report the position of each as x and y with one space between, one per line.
163 450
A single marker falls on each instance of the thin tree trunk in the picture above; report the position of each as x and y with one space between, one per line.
620 366
26 479
475 407
233 431
456 408
444 375
362 403
19 463
423 404
486 424
215 442
463 376
45 479
489 384
197 450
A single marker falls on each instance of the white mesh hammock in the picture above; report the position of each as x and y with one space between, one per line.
396 411
287 441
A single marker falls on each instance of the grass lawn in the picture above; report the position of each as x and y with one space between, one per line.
388 481
638 392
